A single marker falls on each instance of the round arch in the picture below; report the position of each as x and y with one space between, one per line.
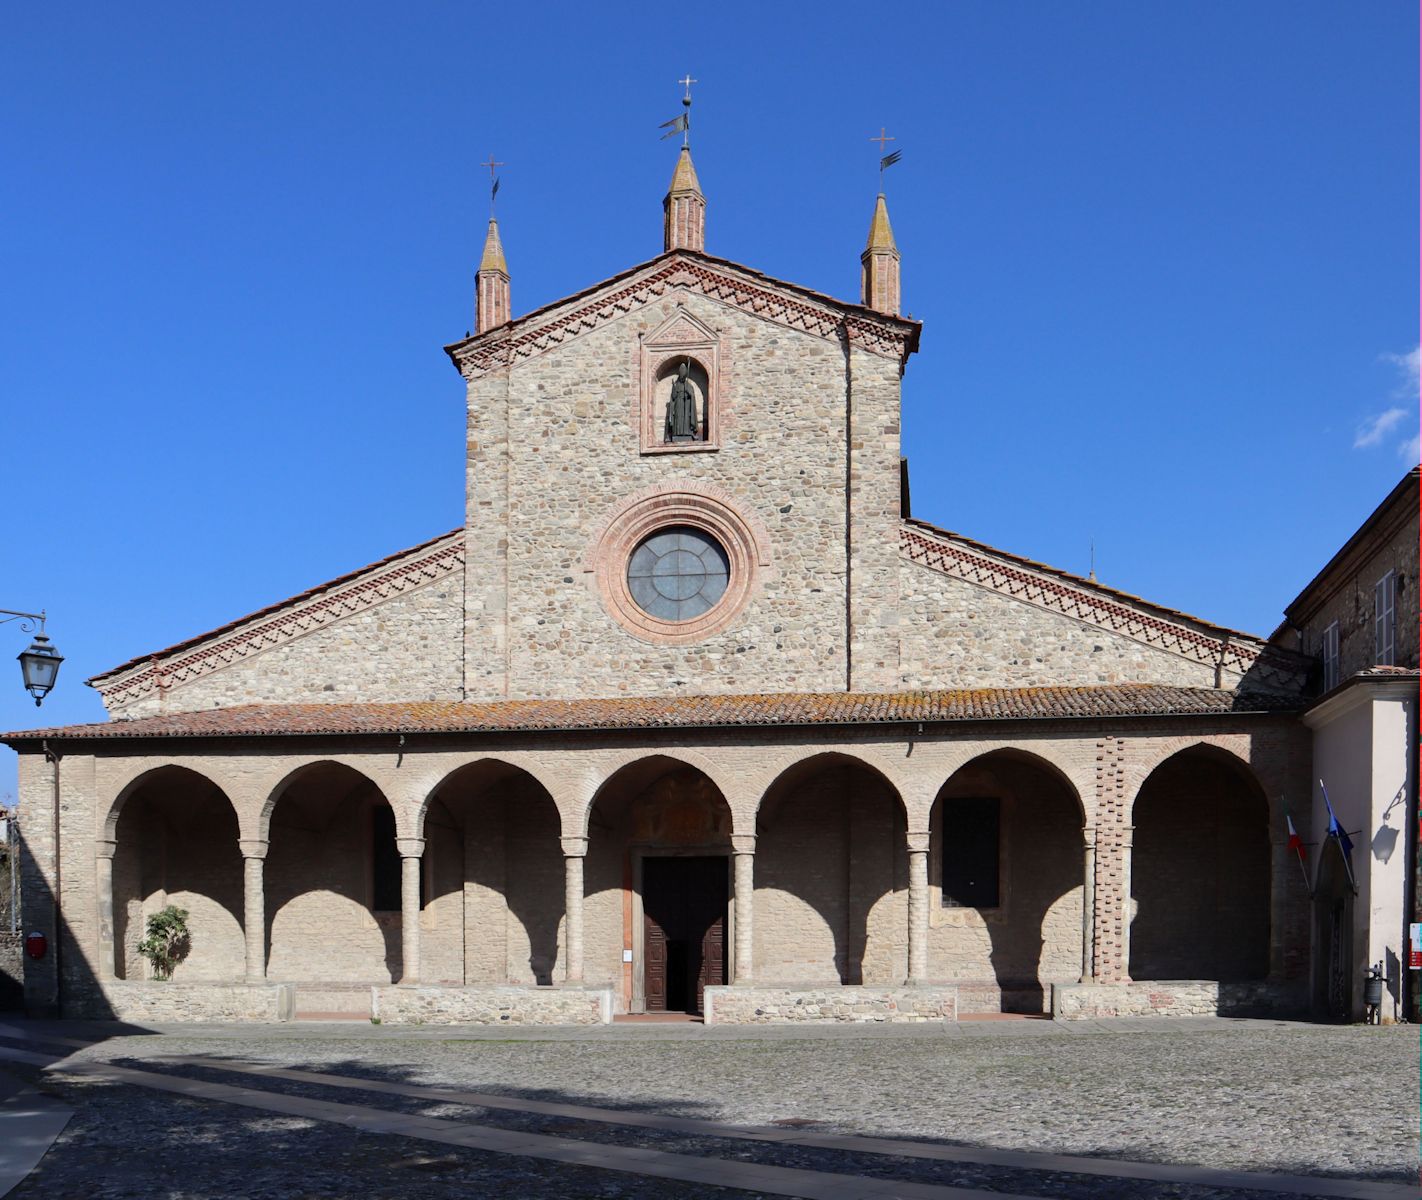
174 834
806 768
1201 869
831 874
109 824
640 770
303 771
1007 884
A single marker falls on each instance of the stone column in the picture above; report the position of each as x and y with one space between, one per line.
254 907
411 851
1088 905
743 851
104 850
575 849
918 906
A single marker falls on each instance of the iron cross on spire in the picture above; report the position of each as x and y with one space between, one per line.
686 104
885 160
493 180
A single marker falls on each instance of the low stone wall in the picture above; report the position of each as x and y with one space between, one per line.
738 1005
12 972
150 1001
1172 998
490 1005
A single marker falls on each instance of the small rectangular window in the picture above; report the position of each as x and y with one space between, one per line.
971 830
1383 593
384 860
1329 651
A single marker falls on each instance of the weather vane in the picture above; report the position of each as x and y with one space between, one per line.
681 124
885 160
493 180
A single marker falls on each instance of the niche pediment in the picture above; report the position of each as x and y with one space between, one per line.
680 412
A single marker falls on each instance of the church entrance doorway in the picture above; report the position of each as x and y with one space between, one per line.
684 934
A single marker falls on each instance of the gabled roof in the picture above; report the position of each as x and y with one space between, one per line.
535 326
1399 504
1107 702
1082 581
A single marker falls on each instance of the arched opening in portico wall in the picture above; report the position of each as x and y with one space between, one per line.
1006 883
1200 871
176 834
494 895
831 877
332 880
657 886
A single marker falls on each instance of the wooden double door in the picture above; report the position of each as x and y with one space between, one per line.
684 930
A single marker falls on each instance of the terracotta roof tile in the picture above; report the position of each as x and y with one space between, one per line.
679 712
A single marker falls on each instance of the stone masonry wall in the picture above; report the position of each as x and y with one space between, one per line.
956 634
405 648
1350 600
573 456
1174 998
486 1005
763 1005
1033 937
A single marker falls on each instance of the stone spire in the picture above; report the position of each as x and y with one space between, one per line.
879 288
685 208
491 302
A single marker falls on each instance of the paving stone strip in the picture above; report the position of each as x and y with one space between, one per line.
764 1177
1020 1160
755 1177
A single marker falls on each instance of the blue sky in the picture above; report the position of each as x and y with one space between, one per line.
1165 256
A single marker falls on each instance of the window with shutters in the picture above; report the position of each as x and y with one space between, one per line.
1383 595
1329 650
971 848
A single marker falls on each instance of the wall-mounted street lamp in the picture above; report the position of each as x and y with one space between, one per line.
40 663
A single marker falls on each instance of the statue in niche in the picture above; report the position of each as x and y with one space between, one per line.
682 425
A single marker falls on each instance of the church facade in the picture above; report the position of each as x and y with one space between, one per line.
691 715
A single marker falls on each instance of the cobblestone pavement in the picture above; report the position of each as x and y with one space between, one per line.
1257 1096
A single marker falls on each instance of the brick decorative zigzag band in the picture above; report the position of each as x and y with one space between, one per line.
1231 652
492 353
274 627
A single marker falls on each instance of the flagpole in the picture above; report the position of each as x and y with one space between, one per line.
1339 834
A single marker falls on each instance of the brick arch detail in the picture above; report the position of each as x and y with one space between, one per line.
678 502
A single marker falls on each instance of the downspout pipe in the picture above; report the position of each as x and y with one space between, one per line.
52 757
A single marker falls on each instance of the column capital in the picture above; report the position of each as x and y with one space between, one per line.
918 841
410 847
574 847
253 847
105 847
743 843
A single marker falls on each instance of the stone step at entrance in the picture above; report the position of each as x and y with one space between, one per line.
332 1001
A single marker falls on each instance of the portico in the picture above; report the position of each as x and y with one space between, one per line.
441 873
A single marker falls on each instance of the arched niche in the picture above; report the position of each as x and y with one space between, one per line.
176 838
658 885
1006 881
332 879
831 875
1200 870
494 878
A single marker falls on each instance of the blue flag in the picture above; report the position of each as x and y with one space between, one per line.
1336 830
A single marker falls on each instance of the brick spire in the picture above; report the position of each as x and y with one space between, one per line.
879 288
685 208
491 301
